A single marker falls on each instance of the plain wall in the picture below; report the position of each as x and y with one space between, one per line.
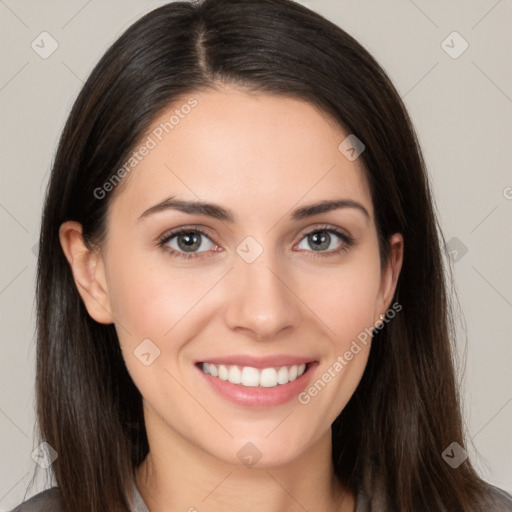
462 111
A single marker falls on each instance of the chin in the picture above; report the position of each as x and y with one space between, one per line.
260 452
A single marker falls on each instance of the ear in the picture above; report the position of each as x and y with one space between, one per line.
390 274
88 272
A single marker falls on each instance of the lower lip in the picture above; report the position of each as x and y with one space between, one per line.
259 397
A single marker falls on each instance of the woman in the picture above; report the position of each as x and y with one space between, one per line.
241 294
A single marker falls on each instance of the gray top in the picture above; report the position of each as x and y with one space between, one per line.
138 502
49 501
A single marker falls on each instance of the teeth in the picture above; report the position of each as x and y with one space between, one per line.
223 372
235 375
283 377
252 377
268 378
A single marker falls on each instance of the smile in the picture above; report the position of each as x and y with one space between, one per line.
249 376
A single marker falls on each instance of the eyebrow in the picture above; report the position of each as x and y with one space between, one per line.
218 212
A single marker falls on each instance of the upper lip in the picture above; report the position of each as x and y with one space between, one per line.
258 362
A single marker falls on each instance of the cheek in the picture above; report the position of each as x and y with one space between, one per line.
345 300
149 296
345 297
151 300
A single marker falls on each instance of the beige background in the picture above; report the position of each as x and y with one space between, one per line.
461 107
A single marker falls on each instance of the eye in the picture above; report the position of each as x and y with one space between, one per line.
186 242
323 240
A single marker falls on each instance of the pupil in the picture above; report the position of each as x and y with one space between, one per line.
320 241
189 241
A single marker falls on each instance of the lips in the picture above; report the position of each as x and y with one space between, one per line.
257 381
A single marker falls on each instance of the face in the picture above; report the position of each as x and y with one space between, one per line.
243 321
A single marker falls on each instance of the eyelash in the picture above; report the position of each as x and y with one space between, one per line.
344 247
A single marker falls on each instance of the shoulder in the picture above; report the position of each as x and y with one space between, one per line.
46 501
495 500
500 498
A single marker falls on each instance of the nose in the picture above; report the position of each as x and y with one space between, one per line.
261 300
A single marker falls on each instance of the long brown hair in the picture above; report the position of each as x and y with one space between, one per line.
389 438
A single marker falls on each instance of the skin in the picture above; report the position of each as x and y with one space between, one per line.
260 156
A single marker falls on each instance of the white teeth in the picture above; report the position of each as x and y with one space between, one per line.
252 377
268 378
283 376
223 372
235 375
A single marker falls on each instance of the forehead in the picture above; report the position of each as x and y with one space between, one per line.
251 151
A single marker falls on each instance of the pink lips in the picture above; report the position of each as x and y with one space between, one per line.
259 397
